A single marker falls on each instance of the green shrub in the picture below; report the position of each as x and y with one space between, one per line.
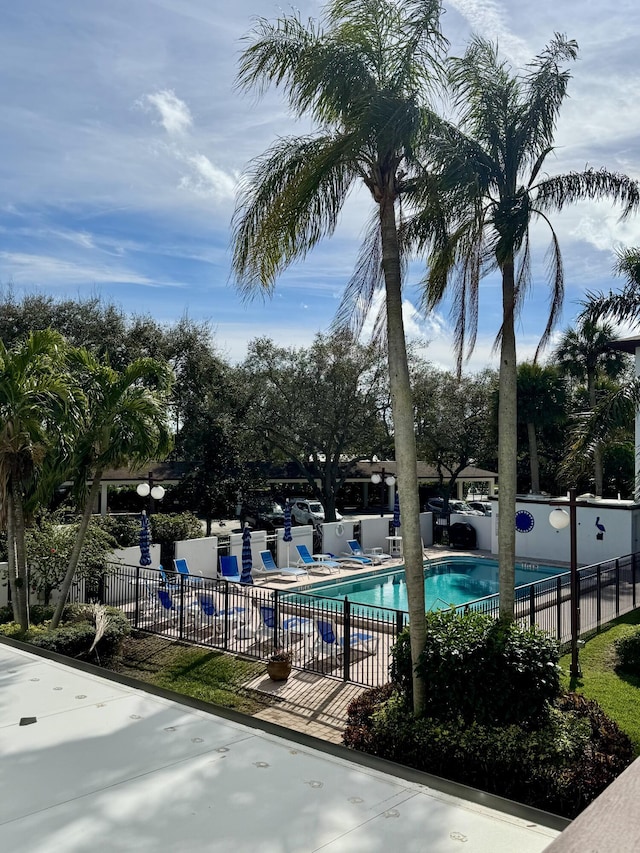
167 529
560 766
75 635
124 529
628 651
481 670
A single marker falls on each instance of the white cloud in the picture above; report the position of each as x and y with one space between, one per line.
175 115
43 270
206 178
488 19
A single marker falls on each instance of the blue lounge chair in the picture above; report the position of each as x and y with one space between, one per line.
306 560
358 551
269 567
183 569
169 583
169 605
210 611
355 557
229 569
289 625
328 644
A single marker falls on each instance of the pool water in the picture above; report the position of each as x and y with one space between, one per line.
456 580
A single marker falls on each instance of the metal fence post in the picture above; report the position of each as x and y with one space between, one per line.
559 607
136 614
633 580
276 616
346 640
617 587
532 605
598 594
181 619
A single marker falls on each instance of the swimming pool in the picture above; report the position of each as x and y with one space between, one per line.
454 580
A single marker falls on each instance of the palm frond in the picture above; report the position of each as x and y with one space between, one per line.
556 192
290 200
367 278
555 269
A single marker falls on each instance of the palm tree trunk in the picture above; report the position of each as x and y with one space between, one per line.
598 475
77 548
22 581
11 555
534 464
507 446
405 444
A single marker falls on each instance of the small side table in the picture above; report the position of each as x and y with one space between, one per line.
395 545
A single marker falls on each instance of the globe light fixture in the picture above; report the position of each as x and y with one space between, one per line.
559 519
381 478
151 491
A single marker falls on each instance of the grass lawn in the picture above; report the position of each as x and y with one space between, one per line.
210 676
618 694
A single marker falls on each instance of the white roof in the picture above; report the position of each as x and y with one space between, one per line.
112 768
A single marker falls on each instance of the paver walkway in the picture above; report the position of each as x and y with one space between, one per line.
307 702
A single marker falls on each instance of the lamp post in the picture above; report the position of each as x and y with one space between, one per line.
148 489
381 478
559 519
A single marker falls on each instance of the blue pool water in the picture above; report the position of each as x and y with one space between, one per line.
455 580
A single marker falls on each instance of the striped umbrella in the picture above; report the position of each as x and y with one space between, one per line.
247 560
287 537
396 511
145 541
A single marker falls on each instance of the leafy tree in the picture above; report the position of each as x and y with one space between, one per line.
452 421
316 406
36 397
124 422
495 158
362 80
542 402
584 354
49 546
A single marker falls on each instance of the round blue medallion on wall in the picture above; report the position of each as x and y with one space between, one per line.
524 521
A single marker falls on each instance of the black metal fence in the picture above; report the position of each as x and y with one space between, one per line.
329 636
336 637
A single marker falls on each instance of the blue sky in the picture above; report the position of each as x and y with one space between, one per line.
123 140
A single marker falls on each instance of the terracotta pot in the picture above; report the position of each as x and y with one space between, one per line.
279 670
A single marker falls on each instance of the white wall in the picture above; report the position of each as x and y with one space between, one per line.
546 544
335 535
258 543
373 533
201 555
131 556
286 553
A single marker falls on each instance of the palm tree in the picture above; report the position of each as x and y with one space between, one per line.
35 396
541 403
362 81
507 123
584 353
124 423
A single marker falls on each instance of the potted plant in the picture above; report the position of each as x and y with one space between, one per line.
279 665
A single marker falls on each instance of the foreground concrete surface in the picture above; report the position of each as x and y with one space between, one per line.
87 763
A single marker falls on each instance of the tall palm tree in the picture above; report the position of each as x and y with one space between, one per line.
124 423
362 80
506 128
35 397
584 353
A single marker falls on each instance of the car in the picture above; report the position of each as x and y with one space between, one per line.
484 507
308 511
262 515
435 506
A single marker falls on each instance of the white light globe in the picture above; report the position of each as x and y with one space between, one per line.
375 478
390 480
559 519
143 489
157 493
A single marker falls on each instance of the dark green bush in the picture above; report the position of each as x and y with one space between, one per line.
560 766
628 651
75 635
481 670
166 529
124 529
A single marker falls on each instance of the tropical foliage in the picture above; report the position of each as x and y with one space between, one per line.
362 80
491 165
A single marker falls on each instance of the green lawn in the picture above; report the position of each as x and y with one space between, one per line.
617 694
210 676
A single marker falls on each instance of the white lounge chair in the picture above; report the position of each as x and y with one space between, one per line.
269 567
319 565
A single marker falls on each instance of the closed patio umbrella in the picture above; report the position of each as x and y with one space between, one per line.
287 537
396 512
247 560
145 541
